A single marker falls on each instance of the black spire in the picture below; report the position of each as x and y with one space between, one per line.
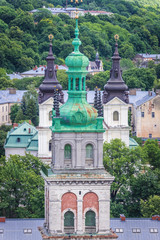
57 104
100 107
50 82
96 99
115 87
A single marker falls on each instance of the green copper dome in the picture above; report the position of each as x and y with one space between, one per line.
76 61
77 115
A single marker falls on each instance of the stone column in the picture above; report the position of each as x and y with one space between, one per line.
104 218
79 217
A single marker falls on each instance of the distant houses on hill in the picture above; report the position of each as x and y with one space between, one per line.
142 59
71 11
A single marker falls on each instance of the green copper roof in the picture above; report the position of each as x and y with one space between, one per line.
20 136
132 143
33 143
77 115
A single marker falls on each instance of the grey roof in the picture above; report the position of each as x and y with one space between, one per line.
144 55
41 70
140 97
14 75
13 229
6 97
144 224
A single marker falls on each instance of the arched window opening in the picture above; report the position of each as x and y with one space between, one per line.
18 139
71 83
90 222
77 84
69 222
89 155
67 155
50 145
116 116
50 115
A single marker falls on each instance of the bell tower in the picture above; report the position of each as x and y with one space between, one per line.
77 187
46 96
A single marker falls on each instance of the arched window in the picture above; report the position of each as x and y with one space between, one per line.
67 155
116 116
50 115
50 145
90 221
18 139
67 151
69 222
89 155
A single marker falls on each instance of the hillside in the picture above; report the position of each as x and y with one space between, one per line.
24 37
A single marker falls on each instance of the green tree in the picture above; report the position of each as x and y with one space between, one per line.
152 153
21 187
14 110
3 134
19 116
151 206
121 162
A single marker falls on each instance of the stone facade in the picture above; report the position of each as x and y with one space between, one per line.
116 121
146 119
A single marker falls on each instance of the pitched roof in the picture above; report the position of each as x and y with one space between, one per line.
25 132
14 229
145 55
6 97
141 97
33 143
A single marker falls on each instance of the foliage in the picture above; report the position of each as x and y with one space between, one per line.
152 153
99 80
21 187
3 134
120 162
151 206
14 111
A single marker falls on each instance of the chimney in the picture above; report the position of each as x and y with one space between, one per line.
15 125
29 130
12 90
155 217
2 219
149 93
30 122
157 91
122 217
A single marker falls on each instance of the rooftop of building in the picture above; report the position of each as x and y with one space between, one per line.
148 55
130 229
140 97
14 75
21 137
11 96
41 70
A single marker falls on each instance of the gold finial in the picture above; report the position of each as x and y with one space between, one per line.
76 12
77 1
116 37
50 38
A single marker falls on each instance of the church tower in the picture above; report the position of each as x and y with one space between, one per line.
47 92
115 103
77 188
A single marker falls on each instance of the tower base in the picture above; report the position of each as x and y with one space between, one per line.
45 235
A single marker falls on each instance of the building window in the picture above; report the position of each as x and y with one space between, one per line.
69 222
153 114
27 231
2 109
6 108
150 135
18 139
50 145
90 222
119 230
153 230
116 116
6 117
142 114
1 231
89 151
50 115
2 118
89 155
136 230
67 151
